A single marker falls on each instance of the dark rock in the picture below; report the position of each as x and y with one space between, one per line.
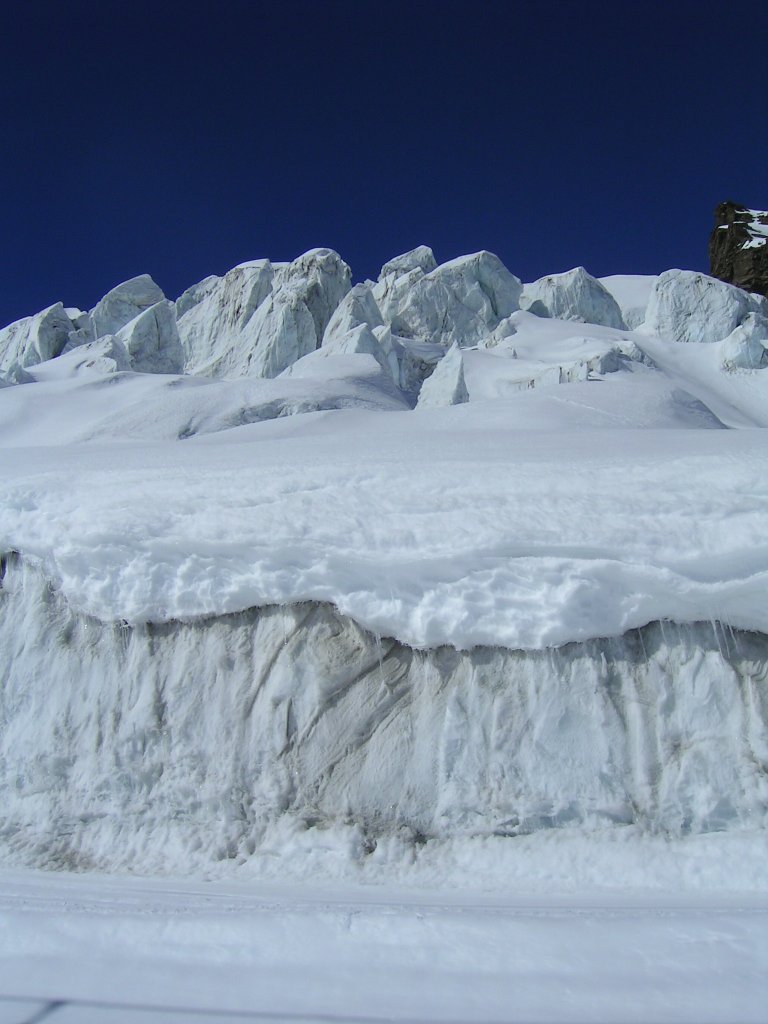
738 247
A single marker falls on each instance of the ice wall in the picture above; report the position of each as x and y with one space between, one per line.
166 747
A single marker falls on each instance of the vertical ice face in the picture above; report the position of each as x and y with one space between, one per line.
460 301
357 327
117 741
746 348
152 340
259 318
690 307
213 318
574 295
321 279
120 305
446 385
282 330
421 258
34 339
357 307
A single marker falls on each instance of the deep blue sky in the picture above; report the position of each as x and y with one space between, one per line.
181 139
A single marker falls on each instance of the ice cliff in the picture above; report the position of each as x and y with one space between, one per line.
161 746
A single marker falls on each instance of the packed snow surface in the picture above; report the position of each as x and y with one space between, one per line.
75 947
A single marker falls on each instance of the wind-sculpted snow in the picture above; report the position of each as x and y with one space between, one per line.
121 745
81 399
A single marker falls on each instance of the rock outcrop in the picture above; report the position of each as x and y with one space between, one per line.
738 247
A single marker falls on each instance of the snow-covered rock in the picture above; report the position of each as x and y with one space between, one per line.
460 301
421 258
574 295
746 348
445 385
690 307
122 304
34 339
152 340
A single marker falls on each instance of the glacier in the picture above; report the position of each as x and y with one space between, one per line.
438 559
123 745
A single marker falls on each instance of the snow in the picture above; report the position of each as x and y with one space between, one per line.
572 510
631 292
555 538
79 399
332 953
591 488
758 228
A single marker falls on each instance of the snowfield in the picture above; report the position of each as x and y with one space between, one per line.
128 951
436 581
